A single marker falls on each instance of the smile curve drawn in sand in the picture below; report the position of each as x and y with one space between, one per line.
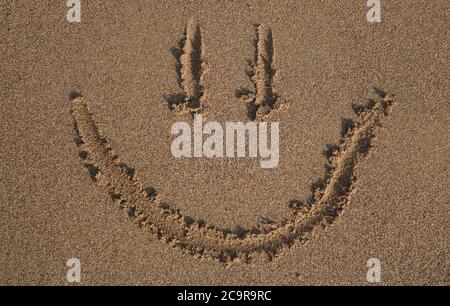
199 238
196 237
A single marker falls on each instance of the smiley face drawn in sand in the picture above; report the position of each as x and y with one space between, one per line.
199 238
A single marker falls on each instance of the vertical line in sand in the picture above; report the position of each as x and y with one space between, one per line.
192 66
264 70
262 100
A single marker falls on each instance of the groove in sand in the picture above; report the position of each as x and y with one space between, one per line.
201 239
190 66
262 100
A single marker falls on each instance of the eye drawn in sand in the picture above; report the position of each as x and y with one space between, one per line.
144 205
262 100
190 67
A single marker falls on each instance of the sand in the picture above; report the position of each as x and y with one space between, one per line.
87 171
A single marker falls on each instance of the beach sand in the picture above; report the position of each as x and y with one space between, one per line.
326 59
